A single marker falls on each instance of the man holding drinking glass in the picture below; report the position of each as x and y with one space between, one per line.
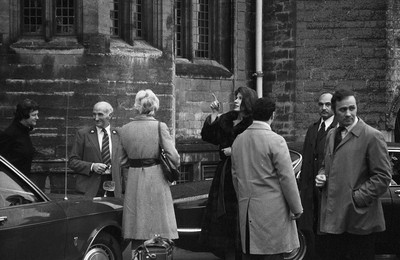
356 172
96 155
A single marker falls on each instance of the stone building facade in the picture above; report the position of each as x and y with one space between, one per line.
69 54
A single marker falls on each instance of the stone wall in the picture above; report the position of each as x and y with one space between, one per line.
279 38
67 76
195 84
341 44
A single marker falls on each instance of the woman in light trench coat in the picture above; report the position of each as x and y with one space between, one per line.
148 206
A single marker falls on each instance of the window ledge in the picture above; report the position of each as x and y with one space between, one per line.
201 69
139 48
60 44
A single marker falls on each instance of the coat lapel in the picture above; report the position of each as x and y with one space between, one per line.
332 125
315 133
92 136
355 132
114 141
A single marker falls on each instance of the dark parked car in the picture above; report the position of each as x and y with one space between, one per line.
190 200
33 226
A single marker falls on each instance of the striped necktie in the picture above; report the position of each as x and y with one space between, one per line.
105 150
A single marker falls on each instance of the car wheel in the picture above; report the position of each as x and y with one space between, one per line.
104 247
298 253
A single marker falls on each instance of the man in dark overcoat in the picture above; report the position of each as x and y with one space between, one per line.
313 154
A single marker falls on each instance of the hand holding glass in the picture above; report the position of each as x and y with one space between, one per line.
320 179
108 186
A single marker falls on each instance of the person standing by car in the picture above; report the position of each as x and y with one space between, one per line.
96 155
219 228
15 141
313 155
266 188
148 206
356 172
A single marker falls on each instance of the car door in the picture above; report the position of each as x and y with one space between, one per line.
31 227
391 200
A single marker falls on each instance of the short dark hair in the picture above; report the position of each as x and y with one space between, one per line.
249 98
24 108
339 95
263 109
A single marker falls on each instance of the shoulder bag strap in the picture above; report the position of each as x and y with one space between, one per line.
159 136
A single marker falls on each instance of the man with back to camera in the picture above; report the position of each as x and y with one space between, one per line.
96 155
356 172
266 188
313 155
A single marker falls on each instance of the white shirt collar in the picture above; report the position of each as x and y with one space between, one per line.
100 130
348 128
328 122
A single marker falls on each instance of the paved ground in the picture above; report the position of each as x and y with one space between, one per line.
180 254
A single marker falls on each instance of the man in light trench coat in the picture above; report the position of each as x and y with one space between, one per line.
269 200
356 172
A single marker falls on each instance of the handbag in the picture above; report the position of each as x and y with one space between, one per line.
170 172
157 248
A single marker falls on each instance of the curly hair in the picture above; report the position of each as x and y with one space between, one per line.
249 97
146 102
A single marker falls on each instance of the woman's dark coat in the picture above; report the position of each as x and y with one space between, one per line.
16 146
219 229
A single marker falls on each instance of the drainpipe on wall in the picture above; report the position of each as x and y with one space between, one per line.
259 73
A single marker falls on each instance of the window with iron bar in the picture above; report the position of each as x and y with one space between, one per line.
203 30
115 29
186 175
32 17
65 17
61 14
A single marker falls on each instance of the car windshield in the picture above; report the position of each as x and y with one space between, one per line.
13 190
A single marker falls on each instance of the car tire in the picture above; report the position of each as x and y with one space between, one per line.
104 246
298 253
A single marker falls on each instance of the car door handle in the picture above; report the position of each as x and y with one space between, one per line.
397 191
3 219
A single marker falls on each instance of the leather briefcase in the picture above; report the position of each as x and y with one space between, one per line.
157 248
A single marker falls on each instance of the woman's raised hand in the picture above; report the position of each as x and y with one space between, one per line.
215 105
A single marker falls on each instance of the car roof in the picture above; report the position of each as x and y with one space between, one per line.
393 146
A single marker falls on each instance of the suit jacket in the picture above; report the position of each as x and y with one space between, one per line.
358 173
313 155
85 151
266 188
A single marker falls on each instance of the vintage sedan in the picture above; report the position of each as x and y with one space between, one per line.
190 200
34 226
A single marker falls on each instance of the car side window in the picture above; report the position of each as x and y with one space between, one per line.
395 160
13 190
